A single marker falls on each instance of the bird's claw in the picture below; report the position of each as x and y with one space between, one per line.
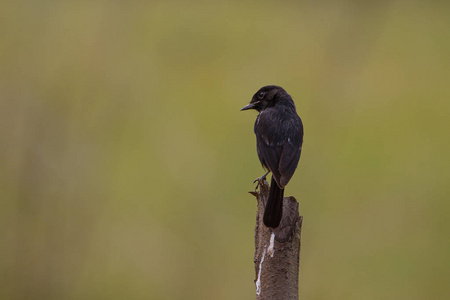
259 180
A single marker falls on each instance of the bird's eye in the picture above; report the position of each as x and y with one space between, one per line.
261 95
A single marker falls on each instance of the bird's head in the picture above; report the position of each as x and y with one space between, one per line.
266 97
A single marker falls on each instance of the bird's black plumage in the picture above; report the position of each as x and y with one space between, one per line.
279 138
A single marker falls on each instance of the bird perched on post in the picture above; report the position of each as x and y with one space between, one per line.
279 138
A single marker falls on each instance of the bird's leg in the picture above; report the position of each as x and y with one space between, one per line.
262 177
259 179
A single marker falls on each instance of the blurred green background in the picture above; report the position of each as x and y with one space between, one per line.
125 161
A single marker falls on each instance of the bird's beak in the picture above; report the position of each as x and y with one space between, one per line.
250 105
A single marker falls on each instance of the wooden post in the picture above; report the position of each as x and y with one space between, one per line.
277 252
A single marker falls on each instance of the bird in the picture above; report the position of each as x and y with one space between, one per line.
279 139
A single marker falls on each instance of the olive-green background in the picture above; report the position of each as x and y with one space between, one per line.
125 161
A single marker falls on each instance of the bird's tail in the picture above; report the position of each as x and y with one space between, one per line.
274 206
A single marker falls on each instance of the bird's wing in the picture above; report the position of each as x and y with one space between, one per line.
292 148
269 155
288 162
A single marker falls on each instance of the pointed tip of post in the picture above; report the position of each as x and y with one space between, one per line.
254 193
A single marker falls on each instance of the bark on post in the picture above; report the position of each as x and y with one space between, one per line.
276 271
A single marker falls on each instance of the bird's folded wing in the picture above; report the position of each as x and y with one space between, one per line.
288 162
271 154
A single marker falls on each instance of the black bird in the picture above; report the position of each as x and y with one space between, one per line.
279 138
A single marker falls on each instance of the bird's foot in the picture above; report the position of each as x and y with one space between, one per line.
260 179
